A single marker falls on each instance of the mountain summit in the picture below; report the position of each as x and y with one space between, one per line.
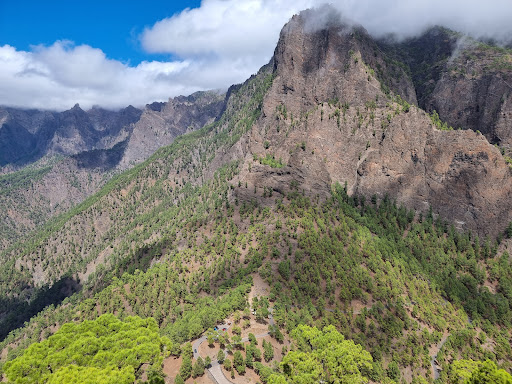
311 206
342 109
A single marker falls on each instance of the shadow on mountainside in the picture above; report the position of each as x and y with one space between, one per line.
104 159
19 311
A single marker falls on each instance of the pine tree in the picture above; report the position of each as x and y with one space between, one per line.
198 369
178 379
249 359
221 356
227 364
238 362
186 367
268 351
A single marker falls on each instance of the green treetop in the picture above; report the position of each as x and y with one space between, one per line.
105 348
478 372
323 356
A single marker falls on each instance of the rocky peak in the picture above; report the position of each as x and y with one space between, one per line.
156 106
161 123
322 57
468 82
424 56
337 112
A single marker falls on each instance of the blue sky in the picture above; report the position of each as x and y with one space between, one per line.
112 53
113 26
54 54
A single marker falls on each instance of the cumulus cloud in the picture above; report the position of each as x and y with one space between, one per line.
58 76
231 39
220 43
223 28
406 18
249 28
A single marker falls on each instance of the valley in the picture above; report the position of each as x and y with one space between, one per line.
321 222
58 177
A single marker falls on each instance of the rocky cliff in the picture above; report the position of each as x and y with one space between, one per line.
28 135
175 239
337 112
161 123
469 83
78 151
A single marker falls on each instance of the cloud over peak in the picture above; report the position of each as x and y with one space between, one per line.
58 76
407 18
227 29
218 44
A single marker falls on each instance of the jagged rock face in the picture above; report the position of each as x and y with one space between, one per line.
15 141
315 64
327 119
161 123
425 57
28 135
98 143
475 93
467 82
458 173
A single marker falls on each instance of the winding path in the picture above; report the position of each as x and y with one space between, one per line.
435 368
215 369
433 358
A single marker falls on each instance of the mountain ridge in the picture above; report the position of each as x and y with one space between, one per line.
76 167
289 184
351 129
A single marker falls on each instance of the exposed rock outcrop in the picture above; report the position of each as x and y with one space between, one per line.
28 135
469 83
328 118
161 123
96 144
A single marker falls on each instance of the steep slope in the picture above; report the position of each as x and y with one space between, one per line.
139 207
334 122
469 83
320 261
98 144
474 91
32 196
161 123
28 135
281 188
43 133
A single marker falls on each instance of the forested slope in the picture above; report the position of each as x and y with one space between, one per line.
150 203
406 275
183 238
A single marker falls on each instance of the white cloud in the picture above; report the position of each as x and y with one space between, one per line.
405 18
220 43
223 28
58 76
250 28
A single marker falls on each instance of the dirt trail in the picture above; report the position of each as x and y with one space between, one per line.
436 369
216 370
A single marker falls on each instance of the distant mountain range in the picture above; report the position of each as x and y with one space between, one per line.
353 181
54 160
29 135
